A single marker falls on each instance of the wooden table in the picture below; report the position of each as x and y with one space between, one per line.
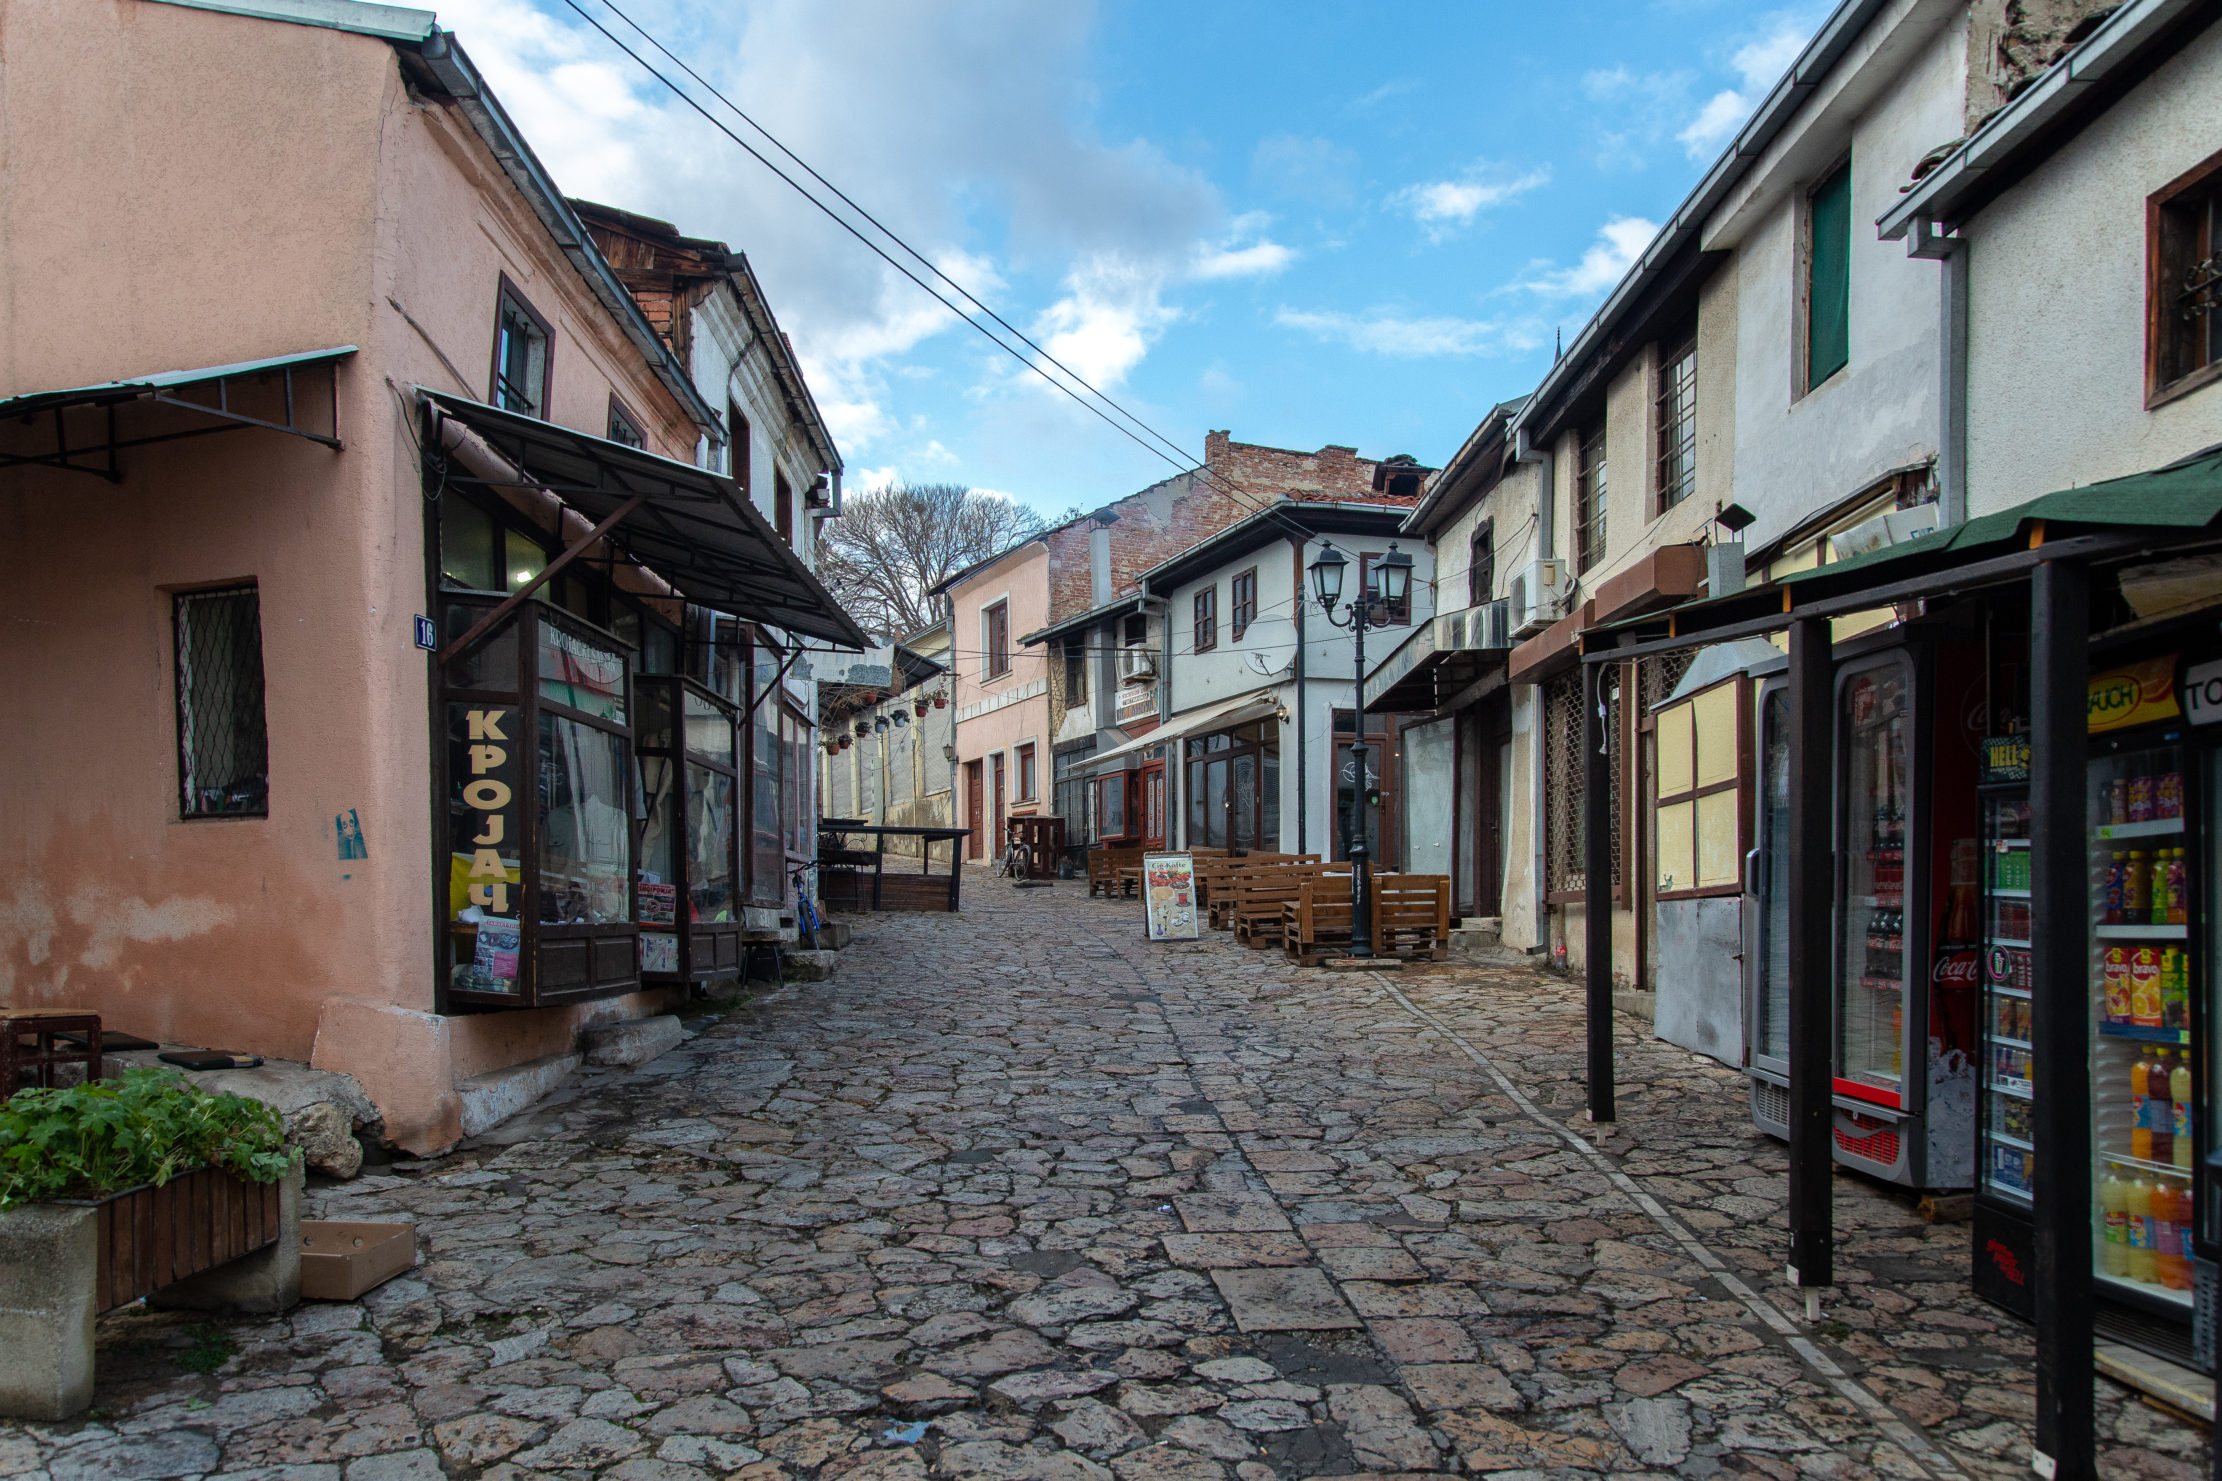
30 1053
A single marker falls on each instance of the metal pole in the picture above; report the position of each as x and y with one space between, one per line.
1597 892
1811 915
2059 908
1361 879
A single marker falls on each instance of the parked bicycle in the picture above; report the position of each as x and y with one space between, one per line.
807 920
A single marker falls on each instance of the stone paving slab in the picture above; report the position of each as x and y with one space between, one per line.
1021 1194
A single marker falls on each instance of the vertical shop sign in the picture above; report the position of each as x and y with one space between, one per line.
486 876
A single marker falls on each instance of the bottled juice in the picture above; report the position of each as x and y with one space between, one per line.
2140 799
2168 797
2117 802
2140 1113
2179 890
2179 1098
2172 1230
2144 1255
2175 988
2117 878
2159 1115
2114 1198
2145 1005
2137 888
2117 984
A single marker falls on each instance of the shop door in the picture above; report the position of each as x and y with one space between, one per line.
1484 803
973 846
1000 830
1153 805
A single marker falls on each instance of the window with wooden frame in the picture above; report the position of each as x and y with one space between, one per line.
1828 276
1382 614
1589 497
995 638
521 350
1481 564
1701 828
1677 423
1076 671
624 428
737 450
1242 606
1207 619
1027 773
2183 245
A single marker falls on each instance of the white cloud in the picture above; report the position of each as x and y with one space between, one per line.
1619 243
1445 206
1111 313
1398 337
1759 64
1261 259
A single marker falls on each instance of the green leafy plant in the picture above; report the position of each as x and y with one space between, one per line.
207 1350
145 1126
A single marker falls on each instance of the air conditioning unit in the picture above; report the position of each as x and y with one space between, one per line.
1137 662
1486 626
1536 600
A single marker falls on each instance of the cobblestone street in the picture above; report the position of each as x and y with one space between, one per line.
1021 1195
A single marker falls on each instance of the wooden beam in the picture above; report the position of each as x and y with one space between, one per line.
518 597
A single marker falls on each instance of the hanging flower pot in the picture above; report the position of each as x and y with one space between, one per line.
862 730
845 743
921 707
941 701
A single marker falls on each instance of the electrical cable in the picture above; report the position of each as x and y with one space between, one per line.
883 255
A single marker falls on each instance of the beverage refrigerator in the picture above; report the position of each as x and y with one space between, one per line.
1906 911
2006 1154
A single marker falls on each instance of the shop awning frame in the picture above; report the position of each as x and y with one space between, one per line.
166 388
688 525
1258 704
1419 675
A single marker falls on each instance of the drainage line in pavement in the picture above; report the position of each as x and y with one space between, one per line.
1907 1435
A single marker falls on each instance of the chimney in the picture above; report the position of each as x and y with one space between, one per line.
1099 565
1215 447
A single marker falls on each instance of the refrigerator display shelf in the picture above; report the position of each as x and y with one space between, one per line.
2005 1085
2007 843
2011 1043
2012 992
2150 828
2140 933
2007 941
2146 1033
2144 1164
1998 1187
2007 892
2145 1289
2005 1140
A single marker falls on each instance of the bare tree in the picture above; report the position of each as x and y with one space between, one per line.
892 546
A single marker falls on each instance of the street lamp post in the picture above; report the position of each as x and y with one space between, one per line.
1391 580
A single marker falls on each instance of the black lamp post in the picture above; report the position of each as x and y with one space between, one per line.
1390 579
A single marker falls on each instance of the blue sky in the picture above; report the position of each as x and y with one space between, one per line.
1294 221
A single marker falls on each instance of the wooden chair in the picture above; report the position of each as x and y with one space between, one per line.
1316 924
1104 866
1258 917
1411 916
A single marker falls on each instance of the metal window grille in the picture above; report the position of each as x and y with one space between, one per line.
1589 500
1677 426
1563 779
520 359
223 745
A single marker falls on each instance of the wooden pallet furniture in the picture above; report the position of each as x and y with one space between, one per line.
1316 924
1255 914
1411 916
1104 866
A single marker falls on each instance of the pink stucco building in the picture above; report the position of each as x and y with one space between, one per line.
304 363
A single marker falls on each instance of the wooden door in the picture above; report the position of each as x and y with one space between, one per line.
973 845
1153 805
1001 832
1494 733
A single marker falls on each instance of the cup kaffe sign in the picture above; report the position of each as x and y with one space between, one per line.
483 740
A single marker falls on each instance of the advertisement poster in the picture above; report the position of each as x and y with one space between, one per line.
494 962
659 951
659 905
1169 896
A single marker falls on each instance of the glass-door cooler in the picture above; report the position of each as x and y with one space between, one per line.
2006 1156
1767 921
2147 976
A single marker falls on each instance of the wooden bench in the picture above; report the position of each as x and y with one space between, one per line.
1104 866
1315 924
1255 913
1411 916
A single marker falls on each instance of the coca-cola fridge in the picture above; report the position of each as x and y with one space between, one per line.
2006 1151
1907 905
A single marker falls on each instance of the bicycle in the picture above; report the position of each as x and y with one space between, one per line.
1017 861
807 920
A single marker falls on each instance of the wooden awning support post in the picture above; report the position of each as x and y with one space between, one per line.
1597 889
2060 1193
517 598
1812 936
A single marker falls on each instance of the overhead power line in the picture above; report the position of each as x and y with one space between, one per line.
1147 437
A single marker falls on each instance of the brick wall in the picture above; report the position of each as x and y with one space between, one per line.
1167 518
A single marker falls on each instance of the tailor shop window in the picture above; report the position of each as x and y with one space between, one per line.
689 834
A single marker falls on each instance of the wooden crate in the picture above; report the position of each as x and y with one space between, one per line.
152 1237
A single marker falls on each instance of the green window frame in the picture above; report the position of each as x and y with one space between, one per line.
1828 284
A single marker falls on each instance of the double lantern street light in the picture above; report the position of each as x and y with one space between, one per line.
1388 581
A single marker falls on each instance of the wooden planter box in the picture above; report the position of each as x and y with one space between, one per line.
154 1237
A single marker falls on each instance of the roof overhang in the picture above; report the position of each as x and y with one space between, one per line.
214 398
1423 675
1258 704
1117 607
693 528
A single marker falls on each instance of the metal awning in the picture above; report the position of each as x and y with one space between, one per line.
1421 674
692 527
249 393
1258 704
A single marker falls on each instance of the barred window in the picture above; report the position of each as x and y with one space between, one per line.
223 745
1589 499
1677 424
521 339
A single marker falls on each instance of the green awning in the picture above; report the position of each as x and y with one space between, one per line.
2183 495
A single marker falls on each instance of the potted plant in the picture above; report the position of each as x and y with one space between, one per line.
844 743
920 705
128 1187
941 701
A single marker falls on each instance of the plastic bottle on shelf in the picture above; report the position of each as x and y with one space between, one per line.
2114 1198
2117 801
2140 1108
2179 890
2117 883
2180 1113
2168 797
2159 1114
2141 799
2144 1256
2175 988
2137 888
2172 1233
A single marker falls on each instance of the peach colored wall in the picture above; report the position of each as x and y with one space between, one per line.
1021 578
262 189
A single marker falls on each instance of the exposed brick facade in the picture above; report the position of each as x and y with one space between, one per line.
1237 480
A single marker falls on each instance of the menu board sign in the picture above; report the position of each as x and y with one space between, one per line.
1169 896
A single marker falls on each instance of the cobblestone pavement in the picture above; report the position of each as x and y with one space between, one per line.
1021 1195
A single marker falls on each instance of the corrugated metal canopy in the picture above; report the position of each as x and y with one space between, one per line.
161 380
1258 704
694 530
